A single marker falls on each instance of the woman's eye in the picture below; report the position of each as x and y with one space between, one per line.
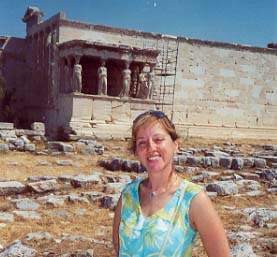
141 143
159 139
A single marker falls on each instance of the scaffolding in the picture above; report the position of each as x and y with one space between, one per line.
165 71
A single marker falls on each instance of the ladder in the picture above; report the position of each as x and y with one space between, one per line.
166 74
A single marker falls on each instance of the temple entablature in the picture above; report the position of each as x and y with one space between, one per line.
108 51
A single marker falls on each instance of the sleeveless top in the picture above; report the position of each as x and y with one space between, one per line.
141 236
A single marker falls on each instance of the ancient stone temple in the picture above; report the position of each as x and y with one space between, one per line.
92 80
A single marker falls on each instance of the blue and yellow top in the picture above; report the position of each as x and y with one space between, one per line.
141 236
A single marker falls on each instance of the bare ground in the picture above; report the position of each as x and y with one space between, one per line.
97 222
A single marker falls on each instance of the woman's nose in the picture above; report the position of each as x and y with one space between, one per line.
151 145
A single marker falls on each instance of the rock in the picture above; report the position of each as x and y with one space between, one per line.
60 146
248 184
38 236
260 163
250 176
216 153
38 126
242 250
18 143
93 196
17 249
195 160
44 186
6 217
85 180
269 174
225 162
113 188
6 126
28 214
248 162
4 148
25 204
60 214
88 150
29 147
64 162
260 216
40 178
11 187
73 198
237 163
53 200
109 201
223 188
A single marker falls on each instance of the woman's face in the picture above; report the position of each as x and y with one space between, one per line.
155 148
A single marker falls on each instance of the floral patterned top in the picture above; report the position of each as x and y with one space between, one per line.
141 236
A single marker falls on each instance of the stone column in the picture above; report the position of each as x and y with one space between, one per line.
102 79
77 75
126 79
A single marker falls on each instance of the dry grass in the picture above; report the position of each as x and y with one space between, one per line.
96 222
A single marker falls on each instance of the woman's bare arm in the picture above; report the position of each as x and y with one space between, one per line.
205 220
116 221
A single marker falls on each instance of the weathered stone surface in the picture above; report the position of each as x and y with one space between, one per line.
6 126
248 162
73 198
53 200
5 134
195 160
109 201
247 184
260 216
29 147
11 187
4 148
223 187
64 162
44 186
25 204
225 162
260 163
269 174
112 188
248 175
38 126
37 236
243 250
85 180
237 163
28 214
6 217
17 249
60 146
216 153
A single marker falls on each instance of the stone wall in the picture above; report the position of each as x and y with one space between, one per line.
226 87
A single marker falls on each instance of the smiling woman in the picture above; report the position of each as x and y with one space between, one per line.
160 215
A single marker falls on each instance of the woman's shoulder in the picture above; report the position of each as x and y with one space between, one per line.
191 187
133 185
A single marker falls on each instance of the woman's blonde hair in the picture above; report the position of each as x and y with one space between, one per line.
152 116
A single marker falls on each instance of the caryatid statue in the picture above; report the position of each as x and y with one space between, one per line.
77 78
151 80
102 79
126 82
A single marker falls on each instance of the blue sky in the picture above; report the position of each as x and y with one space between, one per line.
247 22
